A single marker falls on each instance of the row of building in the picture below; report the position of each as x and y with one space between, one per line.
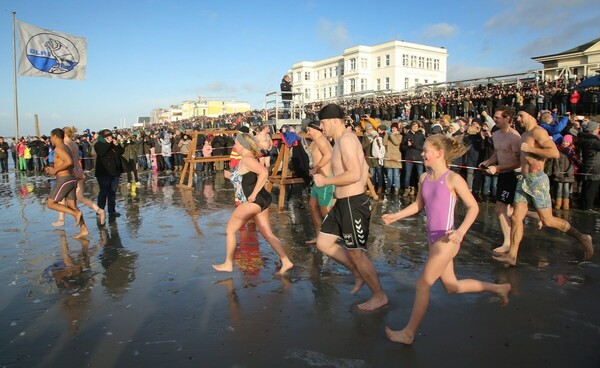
390 67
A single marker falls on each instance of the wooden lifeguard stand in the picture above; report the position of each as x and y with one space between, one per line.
191 160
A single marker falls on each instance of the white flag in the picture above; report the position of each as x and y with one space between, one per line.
50 54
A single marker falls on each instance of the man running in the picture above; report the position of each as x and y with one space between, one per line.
351 214
533 187
66 183
504 161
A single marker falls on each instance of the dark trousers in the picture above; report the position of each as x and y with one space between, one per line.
4 164
588 194
108 190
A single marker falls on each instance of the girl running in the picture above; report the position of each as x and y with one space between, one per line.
248 179
438 190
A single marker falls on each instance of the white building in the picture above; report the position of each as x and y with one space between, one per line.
391 67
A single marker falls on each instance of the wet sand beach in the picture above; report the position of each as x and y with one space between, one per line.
141 292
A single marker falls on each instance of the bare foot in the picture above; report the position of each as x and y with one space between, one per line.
502 249
503 294
358 283
58 223
401 337
373 303
506 259
540 225
311 241
78 218
588 247
223 267
82 234
285 266
102 215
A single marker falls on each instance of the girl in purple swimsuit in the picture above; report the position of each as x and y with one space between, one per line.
438 190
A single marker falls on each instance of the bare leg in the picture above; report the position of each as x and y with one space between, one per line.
504 211
61 217
79 221
326 245
315 215
369 275
81 198
520 210
240 215
264 227
563 226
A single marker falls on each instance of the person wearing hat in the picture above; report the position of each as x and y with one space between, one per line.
108 170
350 216
393 159
589 143
321 198
533 187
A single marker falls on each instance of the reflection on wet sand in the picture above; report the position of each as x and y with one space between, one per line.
141 292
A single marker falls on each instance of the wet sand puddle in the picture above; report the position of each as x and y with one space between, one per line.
141 290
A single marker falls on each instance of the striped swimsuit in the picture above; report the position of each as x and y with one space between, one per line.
439 206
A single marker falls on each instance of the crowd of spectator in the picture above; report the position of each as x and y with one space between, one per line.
402 123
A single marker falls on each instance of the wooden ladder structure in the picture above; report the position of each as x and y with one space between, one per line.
187 173
281 175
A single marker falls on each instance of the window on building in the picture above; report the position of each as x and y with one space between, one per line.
434 82
425 81
387 60
352 85
416 81
324 92
413 61
335 89
378 84
306 76
428 65
298 76
330 72
379 61
353 64
329 92
342 70
387 82
307 93
436 64
363 63
363 84
405 83
404 60
421 62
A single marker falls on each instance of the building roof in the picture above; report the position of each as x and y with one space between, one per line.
580 48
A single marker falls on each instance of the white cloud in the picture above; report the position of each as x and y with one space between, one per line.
538 14
439 30
335 35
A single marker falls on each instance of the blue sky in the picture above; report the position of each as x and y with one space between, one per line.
145 54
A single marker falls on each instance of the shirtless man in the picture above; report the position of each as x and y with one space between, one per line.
265 143
504 161
66 183
533 187
351 214
321 198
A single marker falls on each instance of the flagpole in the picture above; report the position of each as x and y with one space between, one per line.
15 78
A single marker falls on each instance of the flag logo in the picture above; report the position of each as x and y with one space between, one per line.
52 53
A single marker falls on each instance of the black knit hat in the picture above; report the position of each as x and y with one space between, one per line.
331 111
530 109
